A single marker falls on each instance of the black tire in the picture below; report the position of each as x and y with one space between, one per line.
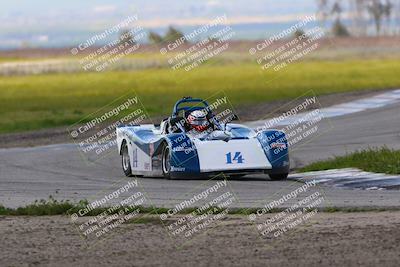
166 161
125 160
279 176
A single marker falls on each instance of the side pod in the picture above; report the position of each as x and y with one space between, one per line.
184 159
276 149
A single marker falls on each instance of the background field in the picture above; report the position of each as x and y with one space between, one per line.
48 100
44 88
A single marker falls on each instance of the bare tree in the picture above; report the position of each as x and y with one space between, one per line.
397 18
322 11
338 28
155 38
387 13
337 9
376 9
384 14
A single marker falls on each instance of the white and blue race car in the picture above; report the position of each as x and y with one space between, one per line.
176 149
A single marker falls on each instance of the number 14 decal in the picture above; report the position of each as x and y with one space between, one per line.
238 158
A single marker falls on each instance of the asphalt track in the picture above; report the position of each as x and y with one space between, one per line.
28 174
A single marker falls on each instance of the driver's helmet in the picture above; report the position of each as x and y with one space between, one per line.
197 120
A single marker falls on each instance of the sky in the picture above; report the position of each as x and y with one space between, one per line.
49 22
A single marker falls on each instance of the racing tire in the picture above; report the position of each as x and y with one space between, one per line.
125 160
278 176
166 162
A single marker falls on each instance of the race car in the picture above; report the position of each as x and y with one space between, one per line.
193 143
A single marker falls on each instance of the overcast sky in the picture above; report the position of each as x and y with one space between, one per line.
95 13
38 18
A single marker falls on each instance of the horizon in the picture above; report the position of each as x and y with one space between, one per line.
48 24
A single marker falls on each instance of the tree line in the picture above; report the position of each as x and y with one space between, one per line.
345 17
363 17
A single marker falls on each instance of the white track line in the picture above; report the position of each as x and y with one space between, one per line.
363 104
350 178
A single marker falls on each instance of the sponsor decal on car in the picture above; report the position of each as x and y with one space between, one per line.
278 145
177 169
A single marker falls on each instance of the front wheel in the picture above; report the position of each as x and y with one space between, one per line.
126 163
279 176
166 162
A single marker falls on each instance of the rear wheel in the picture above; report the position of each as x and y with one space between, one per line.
126 163
279 176
166 161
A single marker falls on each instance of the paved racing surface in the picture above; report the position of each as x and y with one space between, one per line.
28 174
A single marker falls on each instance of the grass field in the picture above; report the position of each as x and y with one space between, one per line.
43 101
383 160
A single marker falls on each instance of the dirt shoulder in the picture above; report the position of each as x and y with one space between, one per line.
246 113
327 239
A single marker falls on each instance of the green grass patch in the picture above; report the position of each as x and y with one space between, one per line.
54 207
382 160
44 101
40 208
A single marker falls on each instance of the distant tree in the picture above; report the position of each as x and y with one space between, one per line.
155 38
339 29
382 14
376 9
298 33
173 34
212 39
397 18
387 13
322 10
337 9
126 36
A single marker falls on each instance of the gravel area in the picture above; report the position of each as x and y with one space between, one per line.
326 239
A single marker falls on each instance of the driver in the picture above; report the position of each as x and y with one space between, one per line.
197 121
